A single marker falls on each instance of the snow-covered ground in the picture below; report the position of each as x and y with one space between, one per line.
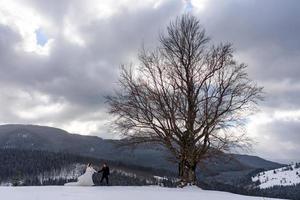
115 193
285 176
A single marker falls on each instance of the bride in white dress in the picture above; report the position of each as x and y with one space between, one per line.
85 179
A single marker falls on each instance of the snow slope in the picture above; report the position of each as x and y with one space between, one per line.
115 193
285 176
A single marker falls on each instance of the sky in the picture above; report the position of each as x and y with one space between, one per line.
58 59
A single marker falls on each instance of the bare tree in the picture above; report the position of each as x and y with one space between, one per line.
185 95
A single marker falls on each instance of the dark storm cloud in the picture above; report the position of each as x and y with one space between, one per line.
84 74
267 30
77 77
281 140
286 131
265 35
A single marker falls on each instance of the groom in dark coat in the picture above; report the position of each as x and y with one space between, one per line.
105 173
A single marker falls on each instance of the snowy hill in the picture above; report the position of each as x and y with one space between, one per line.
285 176
115 192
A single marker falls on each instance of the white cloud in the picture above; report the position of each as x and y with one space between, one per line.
34 105
199 4
71 33
25 21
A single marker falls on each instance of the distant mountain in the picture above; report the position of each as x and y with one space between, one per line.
256 162
32 137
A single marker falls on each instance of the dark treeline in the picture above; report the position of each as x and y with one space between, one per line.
26 167
285 192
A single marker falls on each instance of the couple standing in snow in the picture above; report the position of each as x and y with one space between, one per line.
87 178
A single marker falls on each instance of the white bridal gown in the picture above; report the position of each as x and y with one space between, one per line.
85 179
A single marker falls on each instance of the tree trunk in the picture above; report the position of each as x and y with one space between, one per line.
187 173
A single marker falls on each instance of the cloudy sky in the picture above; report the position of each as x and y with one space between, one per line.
59 58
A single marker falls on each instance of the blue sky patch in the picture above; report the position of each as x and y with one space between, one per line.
188 6
41 37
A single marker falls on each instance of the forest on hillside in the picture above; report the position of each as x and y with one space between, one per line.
34 167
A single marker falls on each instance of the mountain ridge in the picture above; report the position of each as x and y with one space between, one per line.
53 139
